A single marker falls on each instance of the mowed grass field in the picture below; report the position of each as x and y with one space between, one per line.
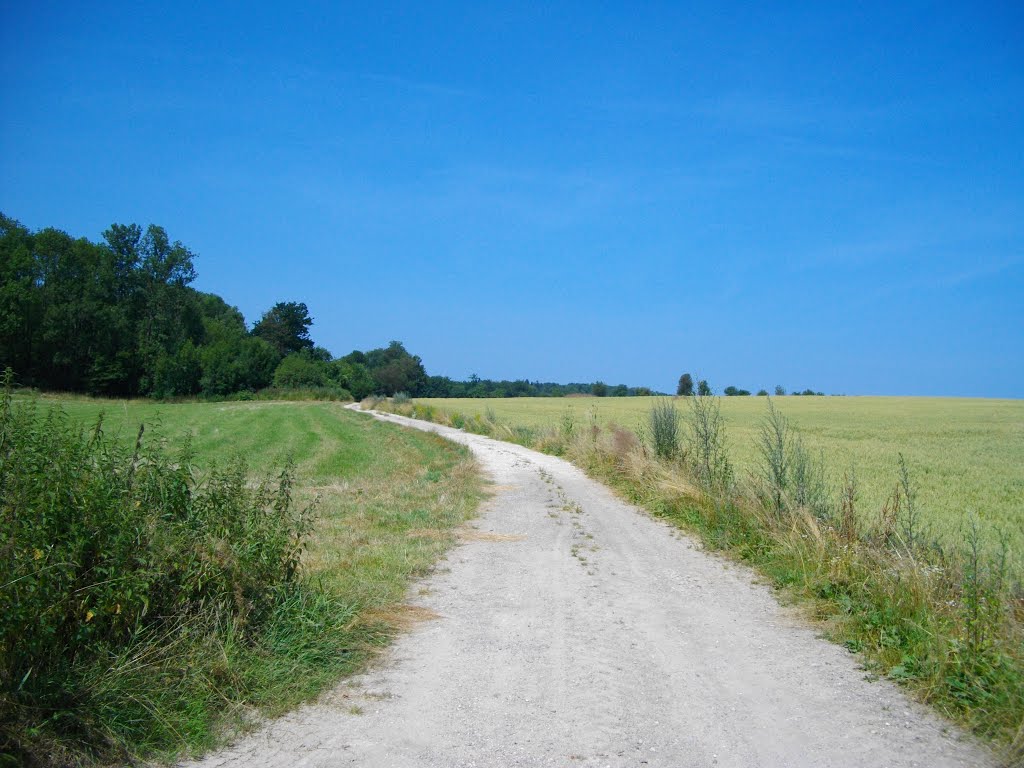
375 483
964 455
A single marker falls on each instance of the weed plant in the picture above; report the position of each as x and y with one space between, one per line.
664 425
706 455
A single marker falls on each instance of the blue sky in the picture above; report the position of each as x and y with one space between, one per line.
825 195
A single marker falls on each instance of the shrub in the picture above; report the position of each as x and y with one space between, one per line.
335 394
567 424
300 370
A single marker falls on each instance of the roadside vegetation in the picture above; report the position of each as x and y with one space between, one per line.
941 614
965 455
157 596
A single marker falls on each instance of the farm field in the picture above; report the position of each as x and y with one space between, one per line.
964 455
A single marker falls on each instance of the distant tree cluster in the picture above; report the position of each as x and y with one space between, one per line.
442 386
685 389
119 317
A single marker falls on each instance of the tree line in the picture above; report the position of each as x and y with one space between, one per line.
686 389
119 317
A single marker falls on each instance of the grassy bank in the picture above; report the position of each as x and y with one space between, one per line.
942 615
384 505
966 454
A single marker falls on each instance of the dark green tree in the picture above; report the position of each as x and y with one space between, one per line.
167 314
703 388
300 369
285 326
355 377
180 373
685 388
395 370
21 301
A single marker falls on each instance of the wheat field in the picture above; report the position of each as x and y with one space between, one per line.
964 455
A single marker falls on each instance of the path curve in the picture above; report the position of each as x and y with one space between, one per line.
574 630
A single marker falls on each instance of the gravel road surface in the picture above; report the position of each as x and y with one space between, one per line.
571 629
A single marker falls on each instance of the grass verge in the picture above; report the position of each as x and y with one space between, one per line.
119 679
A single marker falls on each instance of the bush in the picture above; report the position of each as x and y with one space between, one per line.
303 393
300 370
111 551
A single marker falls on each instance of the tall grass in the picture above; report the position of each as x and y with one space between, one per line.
117 560
664 424
947 620
151 599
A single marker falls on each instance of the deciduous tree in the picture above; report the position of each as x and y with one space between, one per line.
685 388
285 326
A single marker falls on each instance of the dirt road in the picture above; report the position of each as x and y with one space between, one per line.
573 630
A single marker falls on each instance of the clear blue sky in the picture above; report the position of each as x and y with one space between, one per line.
825 195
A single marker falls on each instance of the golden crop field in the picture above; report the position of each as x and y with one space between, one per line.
964 455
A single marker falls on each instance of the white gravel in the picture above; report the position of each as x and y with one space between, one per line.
589 634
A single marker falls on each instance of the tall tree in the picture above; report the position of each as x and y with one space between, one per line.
21 300
285 326
395 370
703 388
685 388
168 314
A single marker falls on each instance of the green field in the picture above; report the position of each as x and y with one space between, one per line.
389 501
965 455
374 482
